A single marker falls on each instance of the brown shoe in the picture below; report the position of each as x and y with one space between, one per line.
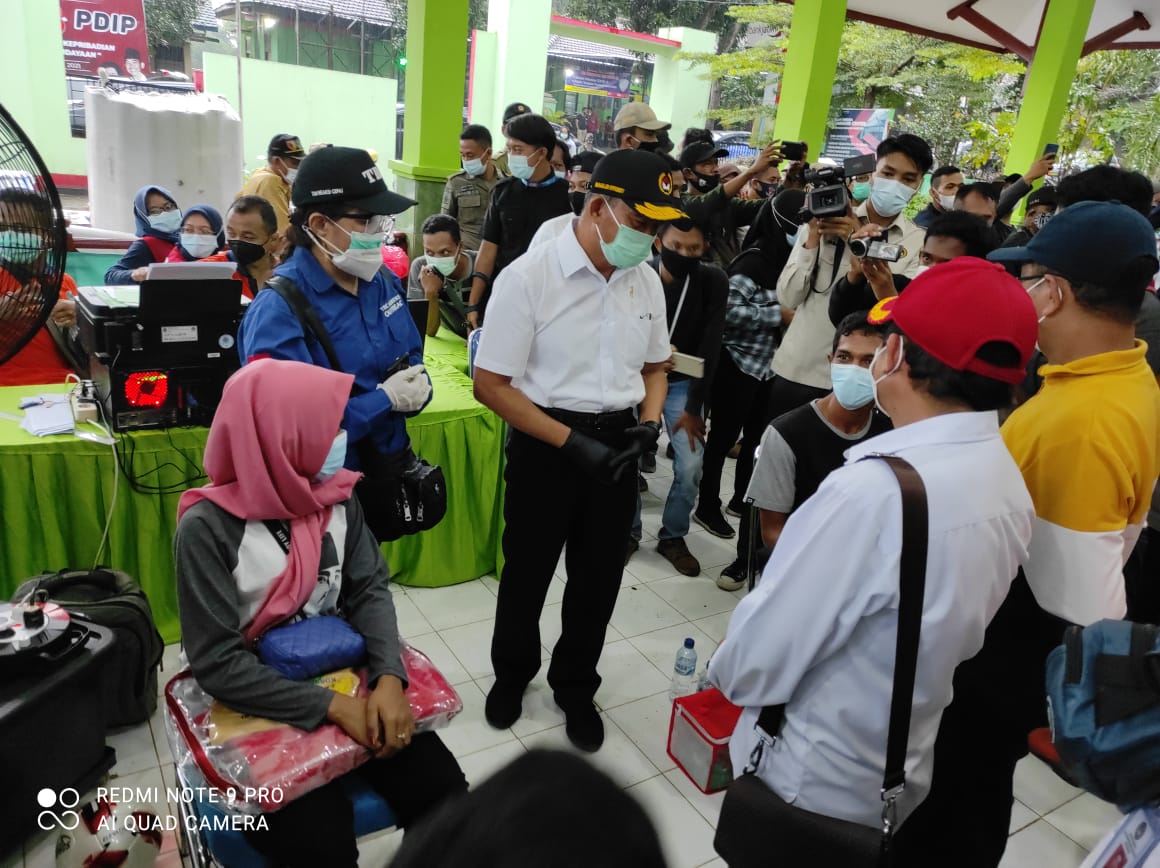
677 553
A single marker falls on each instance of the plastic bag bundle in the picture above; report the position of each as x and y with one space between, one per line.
253 764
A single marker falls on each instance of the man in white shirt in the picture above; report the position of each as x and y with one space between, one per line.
818 633
576 339
821 257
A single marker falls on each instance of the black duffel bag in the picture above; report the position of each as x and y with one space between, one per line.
112 599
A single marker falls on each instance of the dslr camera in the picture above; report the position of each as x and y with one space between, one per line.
828 196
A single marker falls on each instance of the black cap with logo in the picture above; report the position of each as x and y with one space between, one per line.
346 175
285 145
514 111
701 152
641 179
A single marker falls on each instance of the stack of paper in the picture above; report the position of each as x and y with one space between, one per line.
47 414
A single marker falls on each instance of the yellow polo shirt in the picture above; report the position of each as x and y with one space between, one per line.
1087 445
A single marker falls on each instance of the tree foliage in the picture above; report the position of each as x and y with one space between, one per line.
648 16
169 22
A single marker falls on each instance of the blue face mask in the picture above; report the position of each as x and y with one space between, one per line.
861 190
520 168
889 197
21 247
166 221
853 385
474 168
335 458
628 248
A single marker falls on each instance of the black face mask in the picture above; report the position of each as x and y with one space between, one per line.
649 146
768 188
576 199
246 252
677 265
705 183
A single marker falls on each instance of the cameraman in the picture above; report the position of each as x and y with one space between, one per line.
821 255
950 236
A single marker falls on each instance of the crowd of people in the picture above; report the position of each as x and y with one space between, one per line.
624 294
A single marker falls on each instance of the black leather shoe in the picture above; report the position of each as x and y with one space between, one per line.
585 729
504 705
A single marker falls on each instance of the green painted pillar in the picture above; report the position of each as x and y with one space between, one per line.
433 113
811 61
1045 93
523 29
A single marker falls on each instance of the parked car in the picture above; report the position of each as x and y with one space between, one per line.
736 142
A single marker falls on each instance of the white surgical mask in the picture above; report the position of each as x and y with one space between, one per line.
291 174
947 201
520 167
878 352
561 174
443 264
362 259
166 221
198 246
920 270
474 168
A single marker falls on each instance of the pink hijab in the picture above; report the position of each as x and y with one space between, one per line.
272 431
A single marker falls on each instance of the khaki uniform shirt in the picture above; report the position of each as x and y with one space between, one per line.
466 198
270 186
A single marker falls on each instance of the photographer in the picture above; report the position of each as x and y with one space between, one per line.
821 255
713 204
952 235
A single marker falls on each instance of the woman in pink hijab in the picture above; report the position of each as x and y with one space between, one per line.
274 457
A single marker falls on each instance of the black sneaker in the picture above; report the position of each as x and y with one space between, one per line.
714 522
504 705
641 484
630 549
584 727
669 453
736 508
648 462
733 577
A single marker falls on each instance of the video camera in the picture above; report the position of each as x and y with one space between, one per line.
829 197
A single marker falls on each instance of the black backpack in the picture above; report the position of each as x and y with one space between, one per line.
113 599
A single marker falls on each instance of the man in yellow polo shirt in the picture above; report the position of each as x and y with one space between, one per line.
1087 445
272 181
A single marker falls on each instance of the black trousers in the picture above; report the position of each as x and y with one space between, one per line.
740 404
318 829
998 700
594 521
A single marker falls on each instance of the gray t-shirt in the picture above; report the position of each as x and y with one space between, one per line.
772 486
460 288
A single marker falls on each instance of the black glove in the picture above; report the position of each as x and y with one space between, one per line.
590 455
642 438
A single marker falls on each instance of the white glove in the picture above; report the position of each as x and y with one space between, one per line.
408 390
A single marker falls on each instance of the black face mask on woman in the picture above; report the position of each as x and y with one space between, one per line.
677 265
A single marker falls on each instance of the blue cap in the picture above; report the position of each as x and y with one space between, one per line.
688 642
1090 242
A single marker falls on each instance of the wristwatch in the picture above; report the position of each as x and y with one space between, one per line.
472 308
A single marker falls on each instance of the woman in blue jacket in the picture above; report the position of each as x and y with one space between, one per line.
342 214
158 223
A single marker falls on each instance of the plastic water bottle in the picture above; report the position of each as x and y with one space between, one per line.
684 680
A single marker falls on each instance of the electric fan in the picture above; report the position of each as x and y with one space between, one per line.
33 239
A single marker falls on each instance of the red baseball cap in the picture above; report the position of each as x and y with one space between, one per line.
953 309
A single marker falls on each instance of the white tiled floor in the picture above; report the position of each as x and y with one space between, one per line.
1052 824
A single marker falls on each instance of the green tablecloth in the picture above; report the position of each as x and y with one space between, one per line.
54 492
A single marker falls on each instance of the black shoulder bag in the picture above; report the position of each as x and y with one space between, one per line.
757 828
400 494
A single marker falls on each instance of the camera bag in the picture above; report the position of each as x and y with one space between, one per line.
112 599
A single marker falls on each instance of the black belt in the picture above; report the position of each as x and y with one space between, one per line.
617 420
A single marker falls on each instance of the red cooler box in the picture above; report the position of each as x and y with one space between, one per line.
699 734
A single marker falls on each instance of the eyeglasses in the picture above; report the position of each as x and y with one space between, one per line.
374 224
161 209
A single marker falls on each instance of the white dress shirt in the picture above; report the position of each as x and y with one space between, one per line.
570 339
818 632
551 230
